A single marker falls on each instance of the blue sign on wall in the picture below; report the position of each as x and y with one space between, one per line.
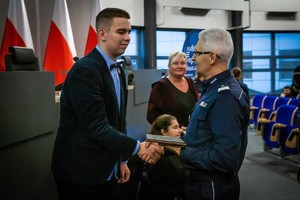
189 48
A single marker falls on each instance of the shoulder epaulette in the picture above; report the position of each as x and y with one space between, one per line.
223 88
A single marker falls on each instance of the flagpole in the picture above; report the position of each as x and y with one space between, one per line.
38 31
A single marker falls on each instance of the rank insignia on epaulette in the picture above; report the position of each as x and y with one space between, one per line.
223 87
203 104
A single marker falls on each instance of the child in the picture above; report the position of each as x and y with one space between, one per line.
164 180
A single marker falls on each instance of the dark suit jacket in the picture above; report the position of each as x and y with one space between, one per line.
90 138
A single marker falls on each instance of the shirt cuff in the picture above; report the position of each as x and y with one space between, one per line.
136 147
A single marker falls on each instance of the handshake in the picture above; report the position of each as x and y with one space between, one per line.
150 152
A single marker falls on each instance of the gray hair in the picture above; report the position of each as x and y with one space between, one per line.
218 41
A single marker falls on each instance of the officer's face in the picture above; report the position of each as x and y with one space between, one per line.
201 59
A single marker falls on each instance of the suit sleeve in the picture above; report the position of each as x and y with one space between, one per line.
90 108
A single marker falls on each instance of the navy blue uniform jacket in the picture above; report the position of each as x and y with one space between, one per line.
92 132
216 136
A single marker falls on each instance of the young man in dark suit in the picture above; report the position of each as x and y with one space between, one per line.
91 148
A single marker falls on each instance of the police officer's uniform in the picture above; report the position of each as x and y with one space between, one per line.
216 139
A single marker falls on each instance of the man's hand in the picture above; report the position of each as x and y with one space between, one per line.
124 173
150 152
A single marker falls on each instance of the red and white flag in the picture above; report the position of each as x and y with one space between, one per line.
16 31
60 49
92 40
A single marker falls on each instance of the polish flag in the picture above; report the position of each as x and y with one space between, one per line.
60 49
16 31
92 40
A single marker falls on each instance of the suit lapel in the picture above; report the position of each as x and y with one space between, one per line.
106 73
109 83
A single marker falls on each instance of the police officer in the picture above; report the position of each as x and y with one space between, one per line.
216 136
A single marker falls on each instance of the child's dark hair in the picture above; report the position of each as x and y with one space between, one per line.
161 122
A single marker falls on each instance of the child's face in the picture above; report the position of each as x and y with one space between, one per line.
173 129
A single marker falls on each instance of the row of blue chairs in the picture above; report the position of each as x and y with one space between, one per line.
275 119
265 106
282 132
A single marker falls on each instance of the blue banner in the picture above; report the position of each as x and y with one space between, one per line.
189 48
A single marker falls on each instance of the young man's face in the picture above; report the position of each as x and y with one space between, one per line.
116 39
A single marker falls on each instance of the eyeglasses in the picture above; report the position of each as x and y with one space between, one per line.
198 53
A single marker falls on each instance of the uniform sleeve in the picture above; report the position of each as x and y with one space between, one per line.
222 151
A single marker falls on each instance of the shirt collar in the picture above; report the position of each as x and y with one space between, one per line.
217 78
107 59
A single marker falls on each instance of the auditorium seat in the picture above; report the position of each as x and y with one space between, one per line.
294 102
285 122
289 139
289 142
257 103
280 101
270 115
267 108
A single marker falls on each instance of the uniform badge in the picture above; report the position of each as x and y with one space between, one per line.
203 104
212 81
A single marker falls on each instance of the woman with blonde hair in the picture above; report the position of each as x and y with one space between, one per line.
175 94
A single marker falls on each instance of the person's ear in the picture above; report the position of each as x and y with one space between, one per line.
213 58
101 34
163 132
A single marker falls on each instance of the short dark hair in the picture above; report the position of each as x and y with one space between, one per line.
106 15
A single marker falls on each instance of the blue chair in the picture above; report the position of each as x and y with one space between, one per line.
279 102
257 103
272 117
269 105
274 132
264 112
289 139
294 102
289 142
